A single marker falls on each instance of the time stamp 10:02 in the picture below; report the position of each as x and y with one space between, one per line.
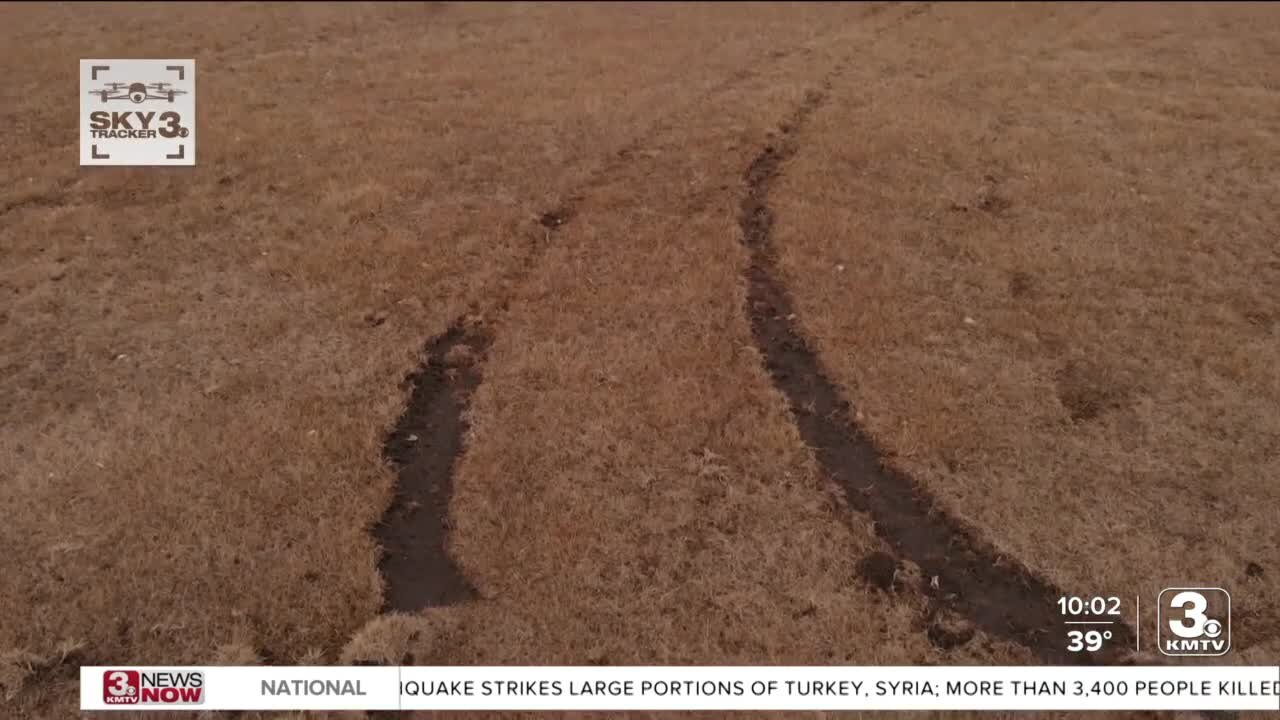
1090 621
1190 621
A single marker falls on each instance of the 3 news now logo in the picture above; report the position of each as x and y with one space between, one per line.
156 687
1194 622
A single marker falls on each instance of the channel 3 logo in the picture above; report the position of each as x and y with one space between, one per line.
1194 622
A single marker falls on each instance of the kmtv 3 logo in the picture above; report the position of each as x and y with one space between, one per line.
1194 621
152 687
137 112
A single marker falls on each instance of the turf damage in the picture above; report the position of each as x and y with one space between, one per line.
429 437
424 447
964 579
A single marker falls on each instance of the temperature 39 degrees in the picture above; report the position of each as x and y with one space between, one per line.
1089 621
1087 640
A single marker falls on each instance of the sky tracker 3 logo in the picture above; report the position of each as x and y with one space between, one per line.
136 124
137 112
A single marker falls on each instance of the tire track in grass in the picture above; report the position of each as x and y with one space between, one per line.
429 437
962 574
424 447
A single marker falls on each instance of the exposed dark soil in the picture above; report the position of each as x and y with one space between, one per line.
879 570
555 218
1088 390
961 575
423 447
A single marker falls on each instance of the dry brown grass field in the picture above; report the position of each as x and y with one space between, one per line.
637 334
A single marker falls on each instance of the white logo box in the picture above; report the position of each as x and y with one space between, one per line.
137 112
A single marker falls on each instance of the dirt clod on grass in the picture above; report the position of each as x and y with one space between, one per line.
879 569
555 218
403 639
948 631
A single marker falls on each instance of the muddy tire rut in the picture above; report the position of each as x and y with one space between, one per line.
962 575
423 447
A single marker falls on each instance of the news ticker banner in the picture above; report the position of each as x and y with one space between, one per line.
681 688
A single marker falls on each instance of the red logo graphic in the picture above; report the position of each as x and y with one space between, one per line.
130 687
121 687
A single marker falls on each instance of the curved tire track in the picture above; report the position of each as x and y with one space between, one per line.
962 574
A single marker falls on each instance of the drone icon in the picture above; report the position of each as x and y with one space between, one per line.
137 93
